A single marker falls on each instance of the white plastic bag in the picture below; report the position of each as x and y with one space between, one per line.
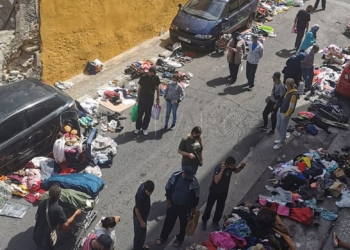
156 111
298 3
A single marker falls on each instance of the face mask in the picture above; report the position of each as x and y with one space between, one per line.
238 38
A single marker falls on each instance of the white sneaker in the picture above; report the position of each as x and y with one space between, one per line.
287 135
136 131
277 141
145 132
278 146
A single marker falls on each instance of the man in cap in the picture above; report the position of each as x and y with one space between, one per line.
307 66
277 93
256 52
182 197
235 52
148 84
102 242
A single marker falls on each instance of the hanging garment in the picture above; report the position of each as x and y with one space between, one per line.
58 150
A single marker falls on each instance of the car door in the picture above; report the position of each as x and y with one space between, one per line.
245 10
233 13
15 141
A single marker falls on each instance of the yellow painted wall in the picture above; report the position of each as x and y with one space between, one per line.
74 32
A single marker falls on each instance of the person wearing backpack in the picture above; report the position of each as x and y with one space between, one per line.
174 94
286 108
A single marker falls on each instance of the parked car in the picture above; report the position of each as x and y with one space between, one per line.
343 85
29 121
199 23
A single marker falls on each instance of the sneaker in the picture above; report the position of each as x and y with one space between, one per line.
262 128
277 141
250 89
165 127
270 132
287 135
136 131
278 146
335 240
204 226
145 132
216 226
173 127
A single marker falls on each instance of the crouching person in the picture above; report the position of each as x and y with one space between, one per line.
102 242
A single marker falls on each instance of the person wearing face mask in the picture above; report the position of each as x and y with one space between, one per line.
310 38
174 94
286 108
235 52
191 149
277 93
219 189
293 68
256 52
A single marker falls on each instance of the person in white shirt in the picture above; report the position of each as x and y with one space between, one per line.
256 52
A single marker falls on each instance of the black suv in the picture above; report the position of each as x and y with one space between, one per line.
30 119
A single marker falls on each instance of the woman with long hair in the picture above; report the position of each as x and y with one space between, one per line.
310 38
106 226
191 149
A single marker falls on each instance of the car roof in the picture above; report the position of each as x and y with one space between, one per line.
18 95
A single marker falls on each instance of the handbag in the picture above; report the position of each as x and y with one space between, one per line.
156 111
192 223
53 234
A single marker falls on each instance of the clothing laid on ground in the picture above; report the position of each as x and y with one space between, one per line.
193 146
281 196
99 230
41 232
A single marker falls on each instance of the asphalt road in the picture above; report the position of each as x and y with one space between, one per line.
228 116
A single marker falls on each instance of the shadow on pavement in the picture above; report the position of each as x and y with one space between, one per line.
23 240
158 209
234 89
218 82
285 53
131 136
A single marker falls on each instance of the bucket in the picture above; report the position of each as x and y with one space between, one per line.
265 28
300 88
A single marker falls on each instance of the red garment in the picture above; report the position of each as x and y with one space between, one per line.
301 166
29 165
302 215
30 197
36 187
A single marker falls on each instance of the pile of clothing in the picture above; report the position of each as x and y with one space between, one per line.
269 8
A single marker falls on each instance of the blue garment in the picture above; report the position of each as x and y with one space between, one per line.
254 45
308 75
309 40
238 228
181 192
325 214
171 107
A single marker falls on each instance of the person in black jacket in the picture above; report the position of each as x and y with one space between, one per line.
182 197
293 68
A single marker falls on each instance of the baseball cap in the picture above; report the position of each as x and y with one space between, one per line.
276 75
153 69
189 172
105 240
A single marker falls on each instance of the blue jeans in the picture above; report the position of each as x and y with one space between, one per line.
170 107
308 75
250 73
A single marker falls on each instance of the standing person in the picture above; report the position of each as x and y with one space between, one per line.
219 189
301 23
106 226
255 53
148 84
94 242
323 4
310 38
182 197
277 93
56 216
174 94
307 65
141 211
191 149
235 52
293 68
287 106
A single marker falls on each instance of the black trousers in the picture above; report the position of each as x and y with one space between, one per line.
139 234
269 109
250 73
172 214
220 200
300 35
323 4
144 117
233 71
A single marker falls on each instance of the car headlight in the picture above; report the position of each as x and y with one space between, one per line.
204 36
173 27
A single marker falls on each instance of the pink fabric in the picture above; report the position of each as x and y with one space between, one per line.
32 177
240 242
262 202
282 210
86 244
223 240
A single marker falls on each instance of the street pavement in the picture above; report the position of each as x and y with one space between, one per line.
228 116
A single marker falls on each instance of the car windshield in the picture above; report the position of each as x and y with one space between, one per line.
206 9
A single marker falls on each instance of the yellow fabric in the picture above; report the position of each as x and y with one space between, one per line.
306 160
292 103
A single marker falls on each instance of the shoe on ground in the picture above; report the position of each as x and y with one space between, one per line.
165 127
172 127
216 226
287 135
277 141
204 226
145 132
335 240
136 131
250 89
270 132
262 128
278 146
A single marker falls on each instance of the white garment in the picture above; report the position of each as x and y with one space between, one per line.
101 230
93 170
36 161
58 150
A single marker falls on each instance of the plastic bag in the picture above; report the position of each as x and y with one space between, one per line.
192 224
156 111
298 3
134 113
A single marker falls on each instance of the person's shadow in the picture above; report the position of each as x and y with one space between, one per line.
139 138
23 240
285 53
218 81
158 209
234 89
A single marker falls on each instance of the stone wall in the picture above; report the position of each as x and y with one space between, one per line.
20 48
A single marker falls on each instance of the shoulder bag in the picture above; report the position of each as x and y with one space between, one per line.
53 234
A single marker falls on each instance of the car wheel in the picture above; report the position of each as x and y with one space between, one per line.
250 21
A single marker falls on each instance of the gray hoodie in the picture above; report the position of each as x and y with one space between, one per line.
174 92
